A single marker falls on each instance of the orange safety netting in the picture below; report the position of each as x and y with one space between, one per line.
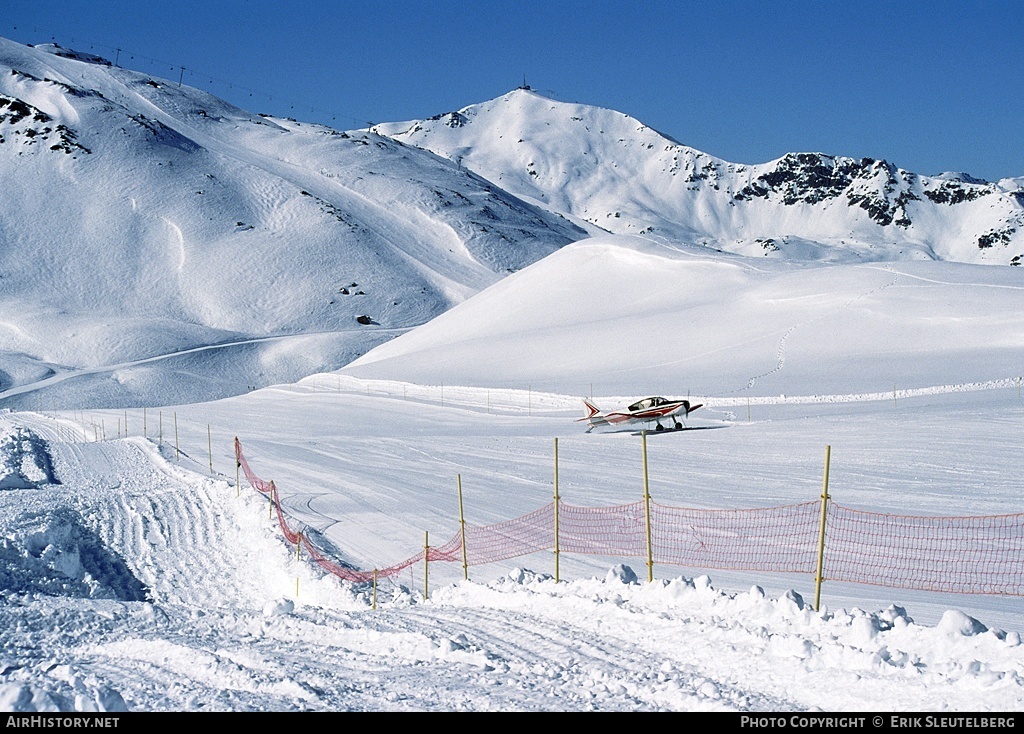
963 555
774 539
967 555
509 539
304 540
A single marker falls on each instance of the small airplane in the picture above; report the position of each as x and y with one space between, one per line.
650 409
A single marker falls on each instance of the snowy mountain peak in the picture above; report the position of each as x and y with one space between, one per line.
611 172
959 176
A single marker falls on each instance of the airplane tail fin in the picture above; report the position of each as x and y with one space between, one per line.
591 409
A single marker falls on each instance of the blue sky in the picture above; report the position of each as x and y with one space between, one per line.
936 86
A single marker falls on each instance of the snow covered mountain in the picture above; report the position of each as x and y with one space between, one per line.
611 171
140 218
159 245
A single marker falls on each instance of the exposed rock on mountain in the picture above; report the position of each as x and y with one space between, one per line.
611 171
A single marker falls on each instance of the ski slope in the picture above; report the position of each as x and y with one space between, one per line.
151 218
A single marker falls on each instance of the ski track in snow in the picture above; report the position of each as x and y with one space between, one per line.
174 529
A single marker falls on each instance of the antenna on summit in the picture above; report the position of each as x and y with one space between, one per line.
525 85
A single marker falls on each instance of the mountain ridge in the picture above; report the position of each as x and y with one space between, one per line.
162 245
631 179
149 218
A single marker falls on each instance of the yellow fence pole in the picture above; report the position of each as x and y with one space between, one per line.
556 512
298 557
647 511
426 564
821 533
462 527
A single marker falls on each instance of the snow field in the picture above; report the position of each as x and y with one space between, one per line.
223 632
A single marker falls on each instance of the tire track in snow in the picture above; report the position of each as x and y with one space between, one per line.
584 669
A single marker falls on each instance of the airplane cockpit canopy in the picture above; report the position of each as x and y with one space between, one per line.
646 403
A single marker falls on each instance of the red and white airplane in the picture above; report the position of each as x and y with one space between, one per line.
654 409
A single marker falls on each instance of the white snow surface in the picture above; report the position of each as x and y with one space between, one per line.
147 580
656 316
139 572
150 228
